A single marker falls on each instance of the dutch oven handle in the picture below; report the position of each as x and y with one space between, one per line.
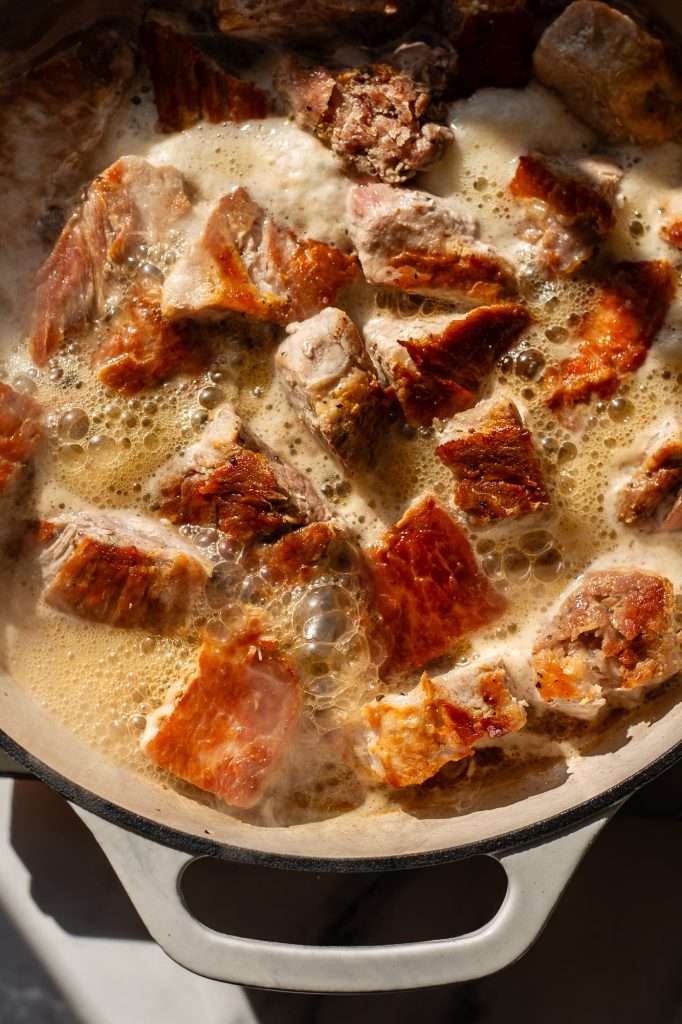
151 875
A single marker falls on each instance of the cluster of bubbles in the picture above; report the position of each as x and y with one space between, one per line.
535 555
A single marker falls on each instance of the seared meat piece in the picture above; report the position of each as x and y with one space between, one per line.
438 365
611 73
121 569
226 729
421 243
303 554
433 67
429 589
20 432
189 84
291 19
672 233
375 118
653 494
614 632
494 42
246 263
569 204
231 481
406 738
125 219
50 119
495 464
329 380
615 335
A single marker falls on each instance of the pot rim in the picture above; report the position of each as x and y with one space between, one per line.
529 835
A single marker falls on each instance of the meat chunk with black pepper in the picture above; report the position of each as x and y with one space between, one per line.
611 74
421 243
495 463
246 263
230 481
614 634
225 729
429 589
375 117
329 380
652 497
569 207
437 365
121 569
405 739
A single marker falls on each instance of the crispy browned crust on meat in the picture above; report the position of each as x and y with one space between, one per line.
123 586
231 723
141 348
672 233
615 335
297 557
309 272
375 118
494 40
451 365
429 589
578 204
480 277
496 467
242 497
412 745
20 432
659 476
624 616
611 74
190 86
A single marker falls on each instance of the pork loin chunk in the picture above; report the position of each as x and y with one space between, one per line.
611 73
614 634
495 464
329 380
284 20
243 262
429 590
614 336
120 230
189 84
438 365
20 432
406 738
375 118
652 496
226 729
569 207
230 481
121 569
420 243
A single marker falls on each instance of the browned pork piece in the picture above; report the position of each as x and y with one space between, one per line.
653 494
429 590
611 74
420 243
613 634
115 244
437 365
50 119
20 431
569 206
229 480
495 464
329 380
283 20
406 738
375 118
614 336
189 84
494 42
244 262
225 729
120 568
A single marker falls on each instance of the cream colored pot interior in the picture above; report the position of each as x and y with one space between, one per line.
504 807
